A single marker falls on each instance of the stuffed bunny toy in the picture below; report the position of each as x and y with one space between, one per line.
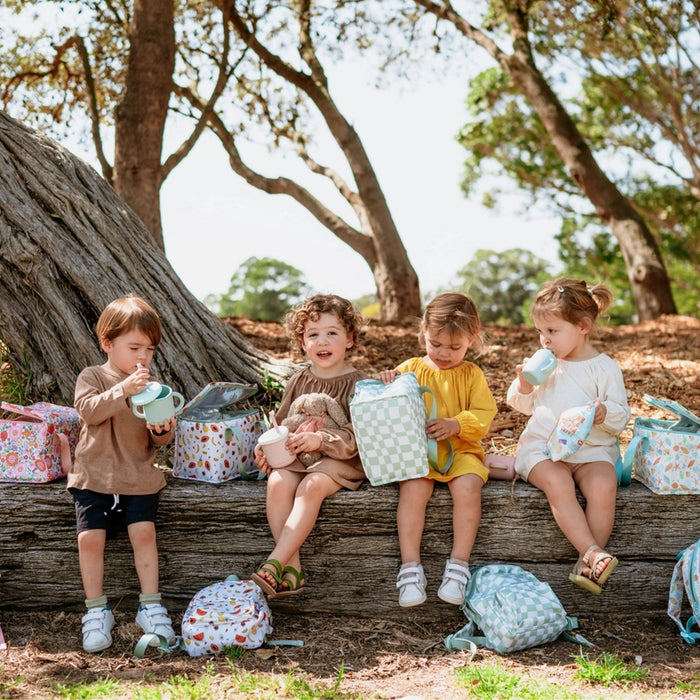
313 412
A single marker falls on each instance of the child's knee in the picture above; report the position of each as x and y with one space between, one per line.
91 541
416 491
142 534
466 488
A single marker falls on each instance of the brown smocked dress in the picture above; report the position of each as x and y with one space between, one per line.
340 461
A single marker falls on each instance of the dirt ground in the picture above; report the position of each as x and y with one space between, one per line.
388 659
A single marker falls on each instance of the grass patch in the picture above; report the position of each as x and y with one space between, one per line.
84 690
494 680
14 380
607 669
291 685
179 688
692 686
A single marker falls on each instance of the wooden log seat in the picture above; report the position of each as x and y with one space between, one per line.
206 532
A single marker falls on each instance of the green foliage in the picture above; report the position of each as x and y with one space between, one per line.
607 669
502 283
103 687
14 381
292 685
368 305
630 84
505 140
589 252
263 289
494 680
182 687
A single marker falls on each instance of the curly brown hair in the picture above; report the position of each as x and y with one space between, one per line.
573 300
312 308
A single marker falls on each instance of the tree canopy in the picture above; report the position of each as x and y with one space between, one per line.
632 86
263 289
258 70
501 284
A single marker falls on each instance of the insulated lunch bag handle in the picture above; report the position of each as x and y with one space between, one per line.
432 443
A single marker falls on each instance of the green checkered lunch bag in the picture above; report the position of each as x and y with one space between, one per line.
389 422
513 609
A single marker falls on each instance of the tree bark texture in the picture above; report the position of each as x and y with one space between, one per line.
68 247
207 531
140 116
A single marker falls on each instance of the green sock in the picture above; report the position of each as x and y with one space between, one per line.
148 598
92 603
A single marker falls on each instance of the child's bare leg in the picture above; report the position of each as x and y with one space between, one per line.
142 536
598 484
558 485
466 513
91 550
414 495
310 494
282 487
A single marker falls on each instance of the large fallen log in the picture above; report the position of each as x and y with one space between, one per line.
207 532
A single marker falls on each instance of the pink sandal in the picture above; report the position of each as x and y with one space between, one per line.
589 562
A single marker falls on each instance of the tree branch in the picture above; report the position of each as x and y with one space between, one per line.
206 109
358 241
79 43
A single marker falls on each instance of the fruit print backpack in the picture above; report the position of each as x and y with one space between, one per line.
230 613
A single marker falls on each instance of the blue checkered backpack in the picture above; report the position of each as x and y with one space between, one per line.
513 609
686 579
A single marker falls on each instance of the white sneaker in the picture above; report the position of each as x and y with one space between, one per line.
411 584
153 619
97 629
454 581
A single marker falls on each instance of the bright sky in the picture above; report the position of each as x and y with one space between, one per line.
213 221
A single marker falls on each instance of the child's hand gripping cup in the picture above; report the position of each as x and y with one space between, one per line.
273 444
539 366
157 403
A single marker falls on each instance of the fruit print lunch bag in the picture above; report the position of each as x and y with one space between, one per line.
213 441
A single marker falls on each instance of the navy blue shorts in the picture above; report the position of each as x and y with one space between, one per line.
113 513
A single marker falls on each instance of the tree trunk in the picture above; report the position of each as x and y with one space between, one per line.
377 239
651 288
68 247
140 116
649 282
208 531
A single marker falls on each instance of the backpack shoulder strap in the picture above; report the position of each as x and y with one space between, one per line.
575 638
682 580
464 639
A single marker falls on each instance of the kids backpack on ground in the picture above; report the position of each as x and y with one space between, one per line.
513 609
39 446
686 577
213 441
230 613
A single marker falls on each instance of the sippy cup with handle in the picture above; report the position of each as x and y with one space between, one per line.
272 443
157 403
539 366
